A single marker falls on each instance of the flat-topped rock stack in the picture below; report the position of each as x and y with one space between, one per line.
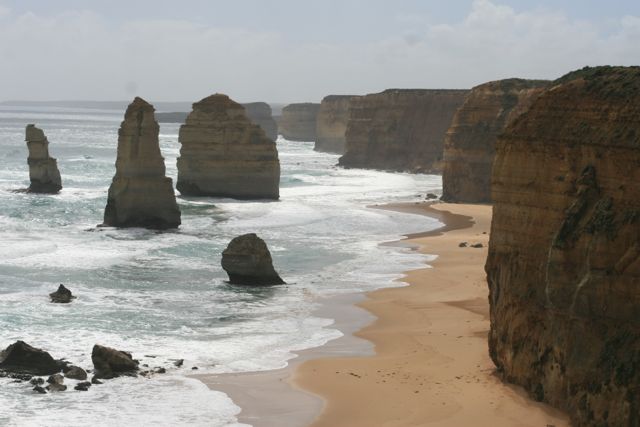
260 114
298 121
43 169
400 129
140 194
469 146
224 154
564 255
331 123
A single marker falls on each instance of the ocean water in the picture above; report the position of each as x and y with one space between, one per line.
163 296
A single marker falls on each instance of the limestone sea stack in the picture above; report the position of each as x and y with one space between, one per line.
140 194
331 123
298 121
400 129
564 255
260 114
43 169
224 154
247 261
469 146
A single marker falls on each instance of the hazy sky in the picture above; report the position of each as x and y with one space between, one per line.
298 50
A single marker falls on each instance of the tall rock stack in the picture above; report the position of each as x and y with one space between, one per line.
298 121
43 169
224 154
400 129
260 114
331 123
564 256
469 146
140 194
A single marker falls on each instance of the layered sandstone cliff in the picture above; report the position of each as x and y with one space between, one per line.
400 129
140 194
224 154
564 256
331 123
298 122
43 169
469 146
260 114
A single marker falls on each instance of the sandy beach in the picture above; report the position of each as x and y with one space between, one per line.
431 365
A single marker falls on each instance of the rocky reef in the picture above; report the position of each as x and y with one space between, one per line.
247 261
260 114
298 121
469 146
43 169
331 123
224 154
564 256
400 129
140 194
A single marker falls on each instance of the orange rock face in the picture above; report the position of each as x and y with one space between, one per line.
469 146
400 129
564 256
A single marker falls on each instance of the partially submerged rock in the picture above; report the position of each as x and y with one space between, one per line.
20 357
43 169
111 363
76 373
62 295
247 261
140 194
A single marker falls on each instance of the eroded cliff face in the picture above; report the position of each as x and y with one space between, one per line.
140 194
469 146
400 129
43 169
298 122
224 154
564 256
331 123
260 114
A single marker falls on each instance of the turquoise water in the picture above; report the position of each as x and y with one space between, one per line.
163 296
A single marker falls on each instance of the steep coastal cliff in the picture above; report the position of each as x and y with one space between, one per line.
140 194
469 146
564 256
298 122
43 169
400 129
331 123
224 154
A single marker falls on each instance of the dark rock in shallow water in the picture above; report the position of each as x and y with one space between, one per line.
55 379
247 261
83 386
37 381
76 373
95 380
62 295
179 362
56 387
40 389
20 357
111 363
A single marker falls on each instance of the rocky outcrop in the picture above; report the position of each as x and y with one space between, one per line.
298 121
400 129
43 169
247 261
110 363
62 295
564 256
224 154
469 146
260 114
331 123
140 194
22 358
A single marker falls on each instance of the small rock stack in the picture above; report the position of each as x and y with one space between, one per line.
43 169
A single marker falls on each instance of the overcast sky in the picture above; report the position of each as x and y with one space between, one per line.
298 50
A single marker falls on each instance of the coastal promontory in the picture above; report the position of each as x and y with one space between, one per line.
564 255
43 169
140 194
224 154
400 129
298 121
331 123
469 146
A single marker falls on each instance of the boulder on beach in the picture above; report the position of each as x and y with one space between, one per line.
20 357
62 295
247 261
43 169
111 363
